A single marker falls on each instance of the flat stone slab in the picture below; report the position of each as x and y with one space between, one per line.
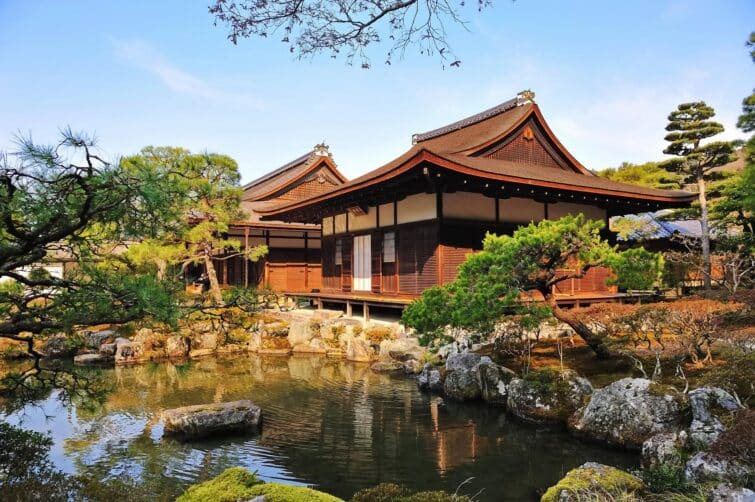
90 359
215 418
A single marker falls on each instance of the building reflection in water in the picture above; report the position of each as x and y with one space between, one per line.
455 444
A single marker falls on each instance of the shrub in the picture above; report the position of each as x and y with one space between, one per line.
662 477
636 268
738 441
735 373
377 334
431 312
357 329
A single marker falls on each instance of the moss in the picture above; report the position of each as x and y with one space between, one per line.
233 484
237 483
384 492
278 492
389 492
593 478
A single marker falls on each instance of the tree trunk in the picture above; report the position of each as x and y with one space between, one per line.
705 237
215 293
595 341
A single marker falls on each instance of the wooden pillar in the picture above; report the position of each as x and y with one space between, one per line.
545 210
266 273
306 261
497 211
348 308
246 259
366 312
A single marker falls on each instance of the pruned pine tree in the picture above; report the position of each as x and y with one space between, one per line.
689 125
205 199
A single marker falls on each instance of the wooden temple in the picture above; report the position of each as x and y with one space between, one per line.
408 225
293 262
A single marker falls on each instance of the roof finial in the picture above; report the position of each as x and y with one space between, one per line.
321 150
526 96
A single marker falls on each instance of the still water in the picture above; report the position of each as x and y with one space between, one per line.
330 424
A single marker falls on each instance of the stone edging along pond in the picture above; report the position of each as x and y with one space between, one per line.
633 413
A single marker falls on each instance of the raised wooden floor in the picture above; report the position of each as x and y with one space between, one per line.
367 300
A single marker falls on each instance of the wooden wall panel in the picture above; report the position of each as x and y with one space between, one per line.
346 257
453 256
377 260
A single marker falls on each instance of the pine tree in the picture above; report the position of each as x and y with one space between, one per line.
688 126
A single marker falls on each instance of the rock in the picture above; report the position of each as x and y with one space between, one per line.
108 349
176 346
707 405
630 411
300 332
205 341
359 350
493 381
430 379
195 353
547 395
96 338
206 419
121 341
255 341
704 467
462 385
663 448
130 353
148 339
90 359
387 366
592 481
725 492
412 367
58 346
463 361
401 349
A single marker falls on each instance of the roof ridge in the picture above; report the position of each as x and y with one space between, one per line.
522 98
285 167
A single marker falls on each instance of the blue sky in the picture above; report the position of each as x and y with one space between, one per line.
606 74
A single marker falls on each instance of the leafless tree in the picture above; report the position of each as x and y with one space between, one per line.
347 28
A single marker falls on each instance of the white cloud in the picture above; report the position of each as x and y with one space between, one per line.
144 56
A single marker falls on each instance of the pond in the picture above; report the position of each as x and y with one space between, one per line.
334 425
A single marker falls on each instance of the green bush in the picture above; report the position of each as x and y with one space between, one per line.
636 268
664 477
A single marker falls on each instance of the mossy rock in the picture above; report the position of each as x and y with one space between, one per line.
389 492
592 479
237 483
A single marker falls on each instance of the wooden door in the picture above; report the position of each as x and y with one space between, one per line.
362 275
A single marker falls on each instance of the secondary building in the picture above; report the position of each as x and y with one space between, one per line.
293 262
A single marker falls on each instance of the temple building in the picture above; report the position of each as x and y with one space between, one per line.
293 262
408 225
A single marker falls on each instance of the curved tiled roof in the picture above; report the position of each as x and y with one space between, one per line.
456 145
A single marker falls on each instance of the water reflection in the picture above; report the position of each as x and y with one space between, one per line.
331 424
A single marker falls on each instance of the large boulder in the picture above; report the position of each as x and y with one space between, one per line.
462 361
130 353
592 481
207 419
96 338
300 332
725 492
462 385
59 346
430 378
547 395
708 405
705 467
630 411
108 350
401 349
493 381
176 346
205 341
359 350
387 366
664 448
461 377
